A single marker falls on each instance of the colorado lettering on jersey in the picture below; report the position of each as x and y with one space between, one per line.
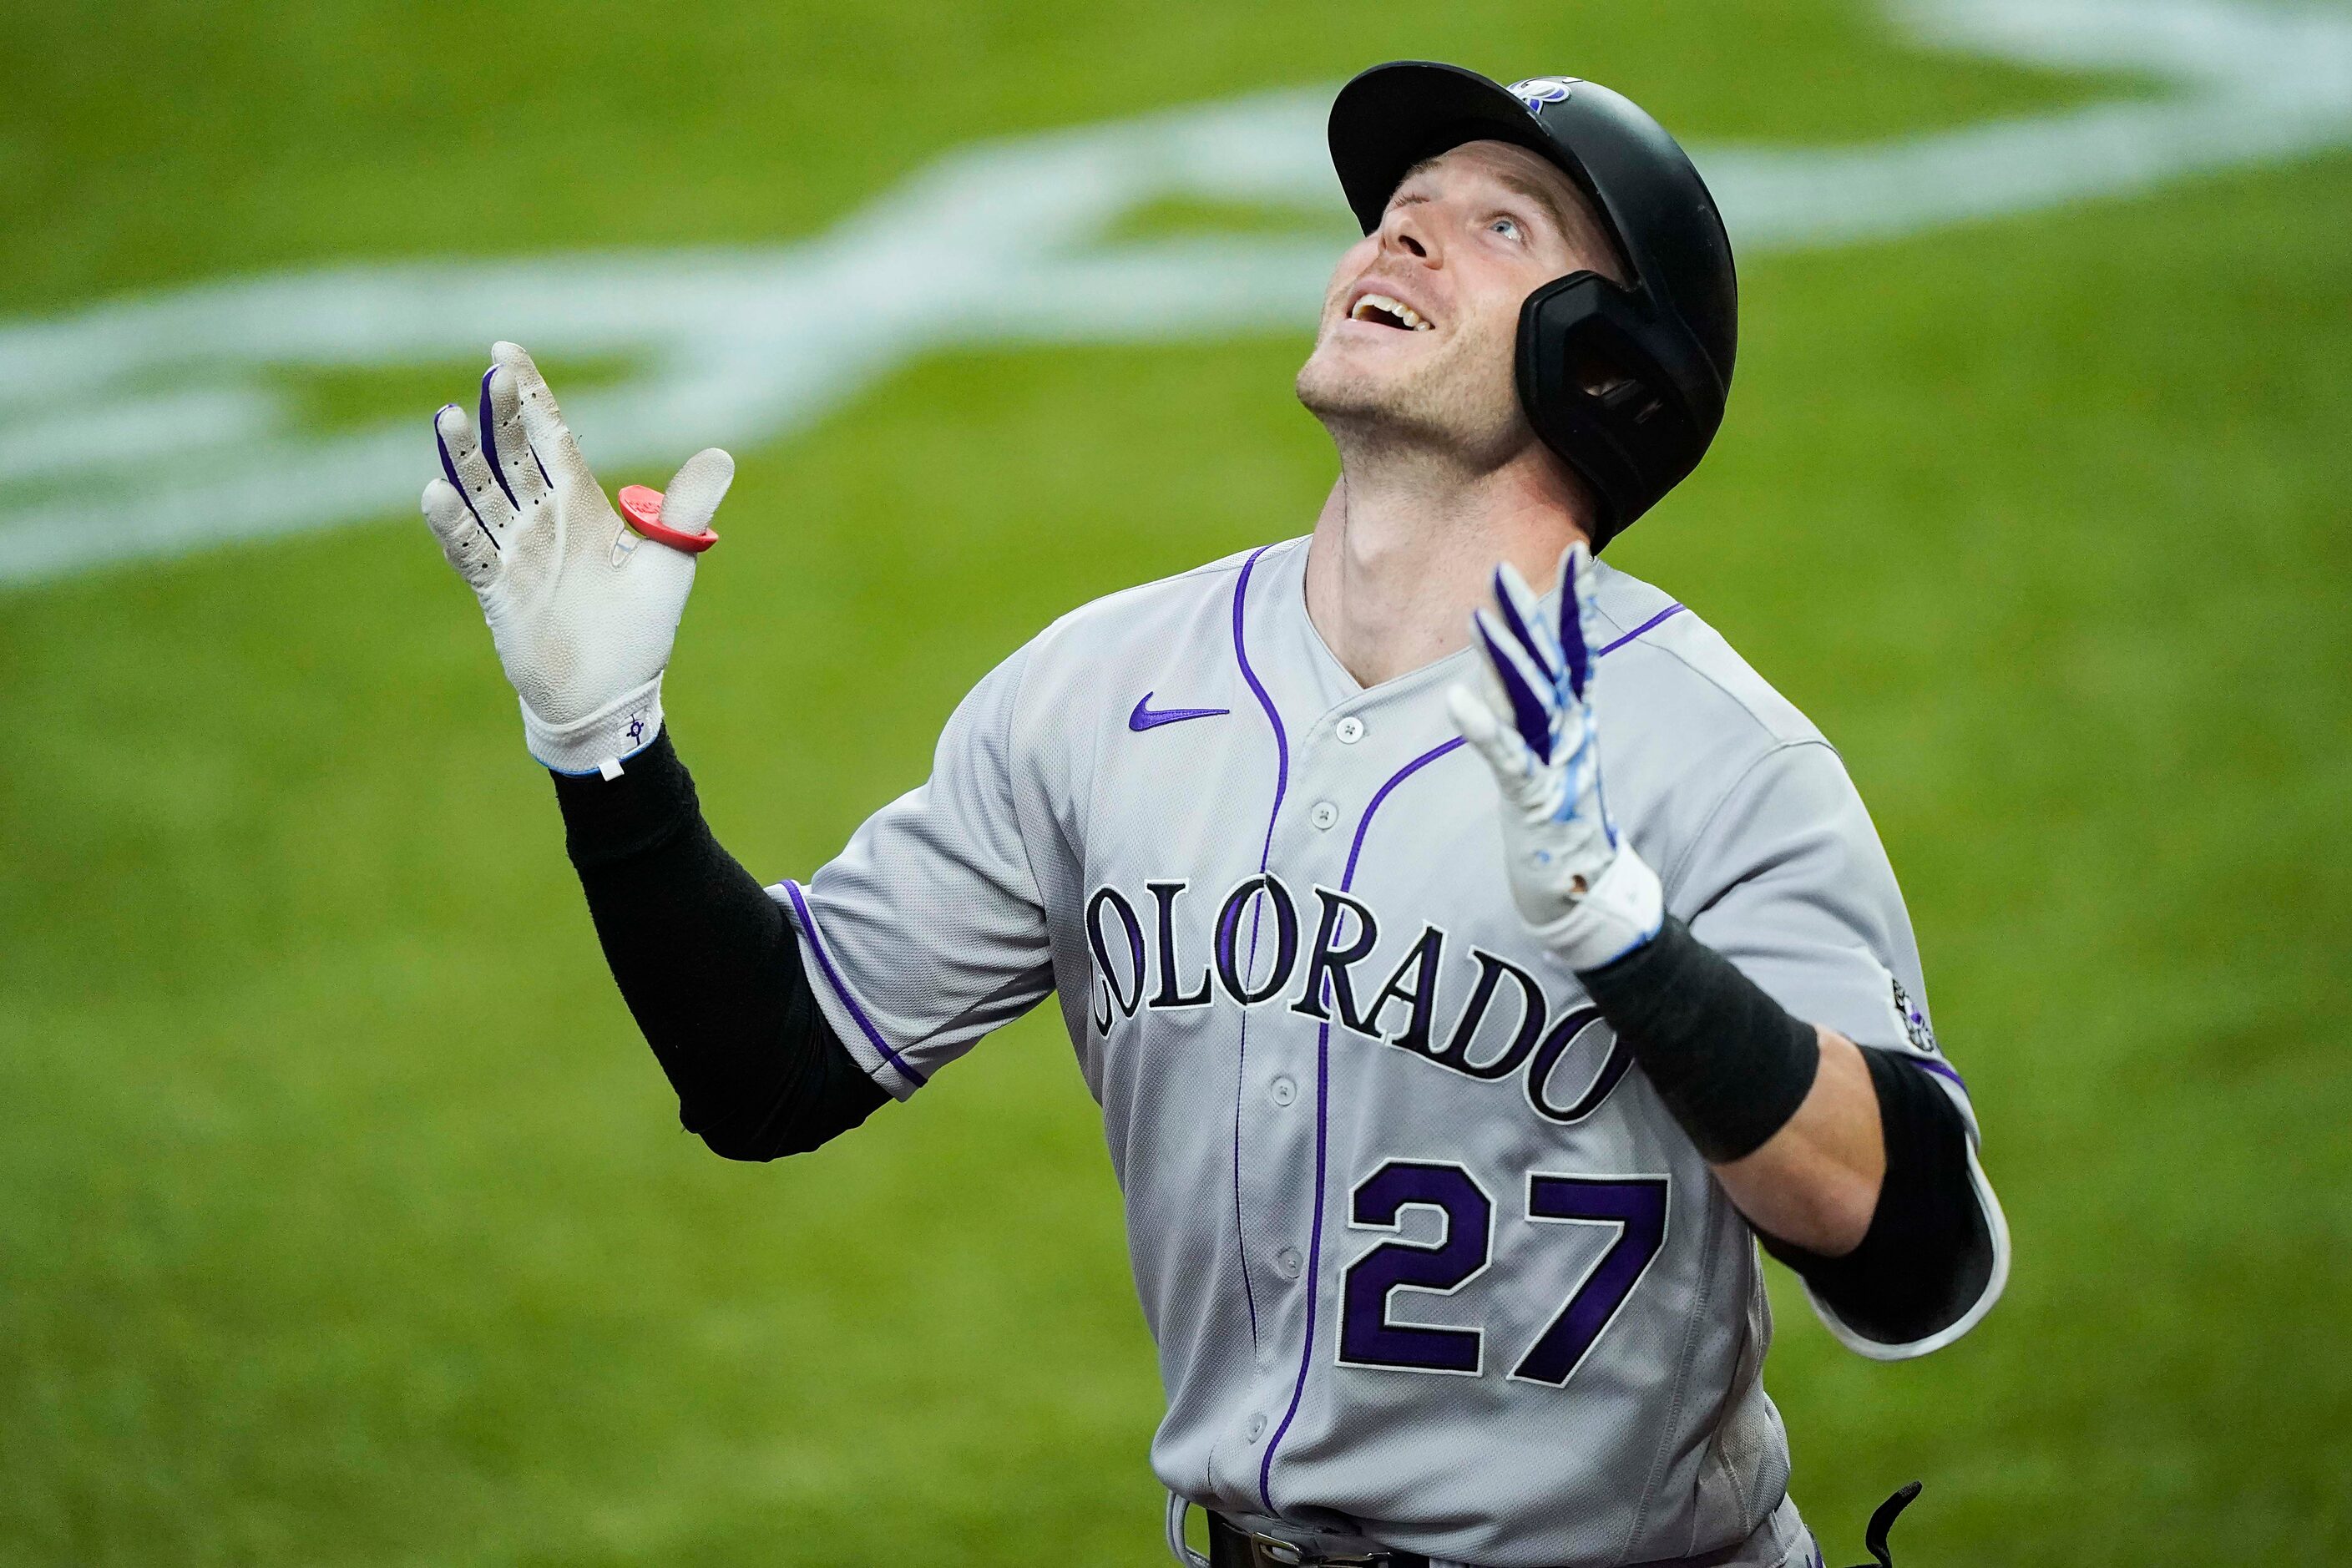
1504 1024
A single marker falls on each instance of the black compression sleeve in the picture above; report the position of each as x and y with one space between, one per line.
1929 1253
709 966
1729 1061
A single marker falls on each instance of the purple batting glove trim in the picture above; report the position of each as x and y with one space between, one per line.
488 428
1572 646
449 472
1529 712
1505 601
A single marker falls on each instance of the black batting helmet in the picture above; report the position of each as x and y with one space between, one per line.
1626 383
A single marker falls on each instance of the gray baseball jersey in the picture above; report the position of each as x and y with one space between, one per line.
1424 1258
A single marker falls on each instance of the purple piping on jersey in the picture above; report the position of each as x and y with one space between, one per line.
823 963
1265 853
1348 877
1313 1274
1281 741
1668 614
1942 1070
1313 1248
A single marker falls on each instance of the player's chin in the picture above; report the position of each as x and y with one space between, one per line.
1347 370
1326 384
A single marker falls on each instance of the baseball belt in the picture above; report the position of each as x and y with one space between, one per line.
1231 1546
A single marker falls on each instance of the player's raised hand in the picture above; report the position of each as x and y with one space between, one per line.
584 607
1589 896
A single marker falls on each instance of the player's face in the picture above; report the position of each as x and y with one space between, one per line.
1422 317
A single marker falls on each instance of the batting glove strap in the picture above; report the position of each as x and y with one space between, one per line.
1621 911
603 741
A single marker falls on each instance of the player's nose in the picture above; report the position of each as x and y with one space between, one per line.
1405 231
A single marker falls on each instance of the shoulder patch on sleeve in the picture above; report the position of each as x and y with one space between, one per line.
1916 1027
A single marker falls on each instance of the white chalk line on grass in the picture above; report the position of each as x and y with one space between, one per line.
152 425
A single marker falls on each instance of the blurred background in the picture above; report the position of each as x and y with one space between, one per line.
342 1215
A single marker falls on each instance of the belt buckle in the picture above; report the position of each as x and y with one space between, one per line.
1291 1554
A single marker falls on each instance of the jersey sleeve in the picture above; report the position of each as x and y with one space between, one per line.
929 930
1789 880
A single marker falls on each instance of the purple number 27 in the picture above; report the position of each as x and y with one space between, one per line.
1634 1207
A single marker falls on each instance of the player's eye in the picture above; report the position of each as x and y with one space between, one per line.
1508 227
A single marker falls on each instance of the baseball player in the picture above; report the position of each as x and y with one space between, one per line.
1474 958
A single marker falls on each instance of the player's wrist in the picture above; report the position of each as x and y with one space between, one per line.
1620 911
1730 1062
599 742
607 821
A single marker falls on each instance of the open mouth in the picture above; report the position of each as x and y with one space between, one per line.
1382 312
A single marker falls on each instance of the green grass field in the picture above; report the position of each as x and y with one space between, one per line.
342 1216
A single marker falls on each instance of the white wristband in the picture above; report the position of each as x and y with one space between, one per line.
600 742
1623 909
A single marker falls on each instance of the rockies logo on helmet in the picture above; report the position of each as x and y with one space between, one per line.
1539 91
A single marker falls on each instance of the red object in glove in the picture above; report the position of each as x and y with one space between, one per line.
641 508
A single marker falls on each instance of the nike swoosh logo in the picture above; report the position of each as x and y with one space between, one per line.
1144 718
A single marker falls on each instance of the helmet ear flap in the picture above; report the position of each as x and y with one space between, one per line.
1607 385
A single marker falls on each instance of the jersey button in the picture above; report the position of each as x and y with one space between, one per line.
1256 1429
1350 730
1324 814
1282 1092
1289 1261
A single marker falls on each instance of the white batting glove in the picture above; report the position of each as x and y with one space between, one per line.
583 609
1589 897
